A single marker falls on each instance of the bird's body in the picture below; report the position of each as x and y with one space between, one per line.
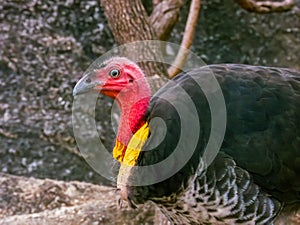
257 169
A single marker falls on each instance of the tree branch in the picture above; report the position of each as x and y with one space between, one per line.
266 6
156 2
187 38
164 17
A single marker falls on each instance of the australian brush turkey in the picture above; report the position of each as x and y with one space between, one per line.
255 173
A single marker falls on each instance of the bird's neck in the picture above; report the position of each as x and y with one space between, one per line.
133 109
132 118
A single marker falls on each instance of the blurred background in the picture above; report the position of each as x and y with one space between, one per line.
45 46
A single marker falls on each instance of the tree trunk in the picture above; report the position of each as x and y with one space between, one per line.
129 22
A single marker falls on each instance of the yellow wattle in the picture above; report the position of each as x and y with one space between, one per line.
133 149
119 151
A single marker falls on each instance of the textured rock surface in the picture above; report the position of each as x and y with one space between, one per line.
35 201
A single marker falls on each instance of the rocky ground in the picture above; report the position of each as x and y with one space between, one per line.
45 46
36 201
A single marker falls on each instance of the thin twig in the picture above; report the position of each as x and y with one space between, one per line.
7 134
266 6
187 39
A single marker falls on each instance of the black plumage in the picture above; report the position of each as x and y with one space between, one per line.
260 152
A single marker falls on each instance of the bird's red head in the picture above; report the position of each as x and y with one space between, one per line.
123 80
114 78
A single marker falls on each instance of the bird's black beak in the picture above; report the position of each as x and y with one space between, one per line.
86 84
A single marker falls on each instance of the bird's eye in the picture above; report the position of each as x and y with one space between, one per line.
114 73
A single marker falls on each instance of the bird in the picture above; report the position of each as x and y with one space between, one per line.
254 175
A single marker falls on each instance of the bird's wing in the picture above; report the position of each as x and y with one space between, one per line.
263 125
262 131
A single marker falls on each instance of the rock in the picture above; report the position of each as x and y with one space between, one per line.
36 201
